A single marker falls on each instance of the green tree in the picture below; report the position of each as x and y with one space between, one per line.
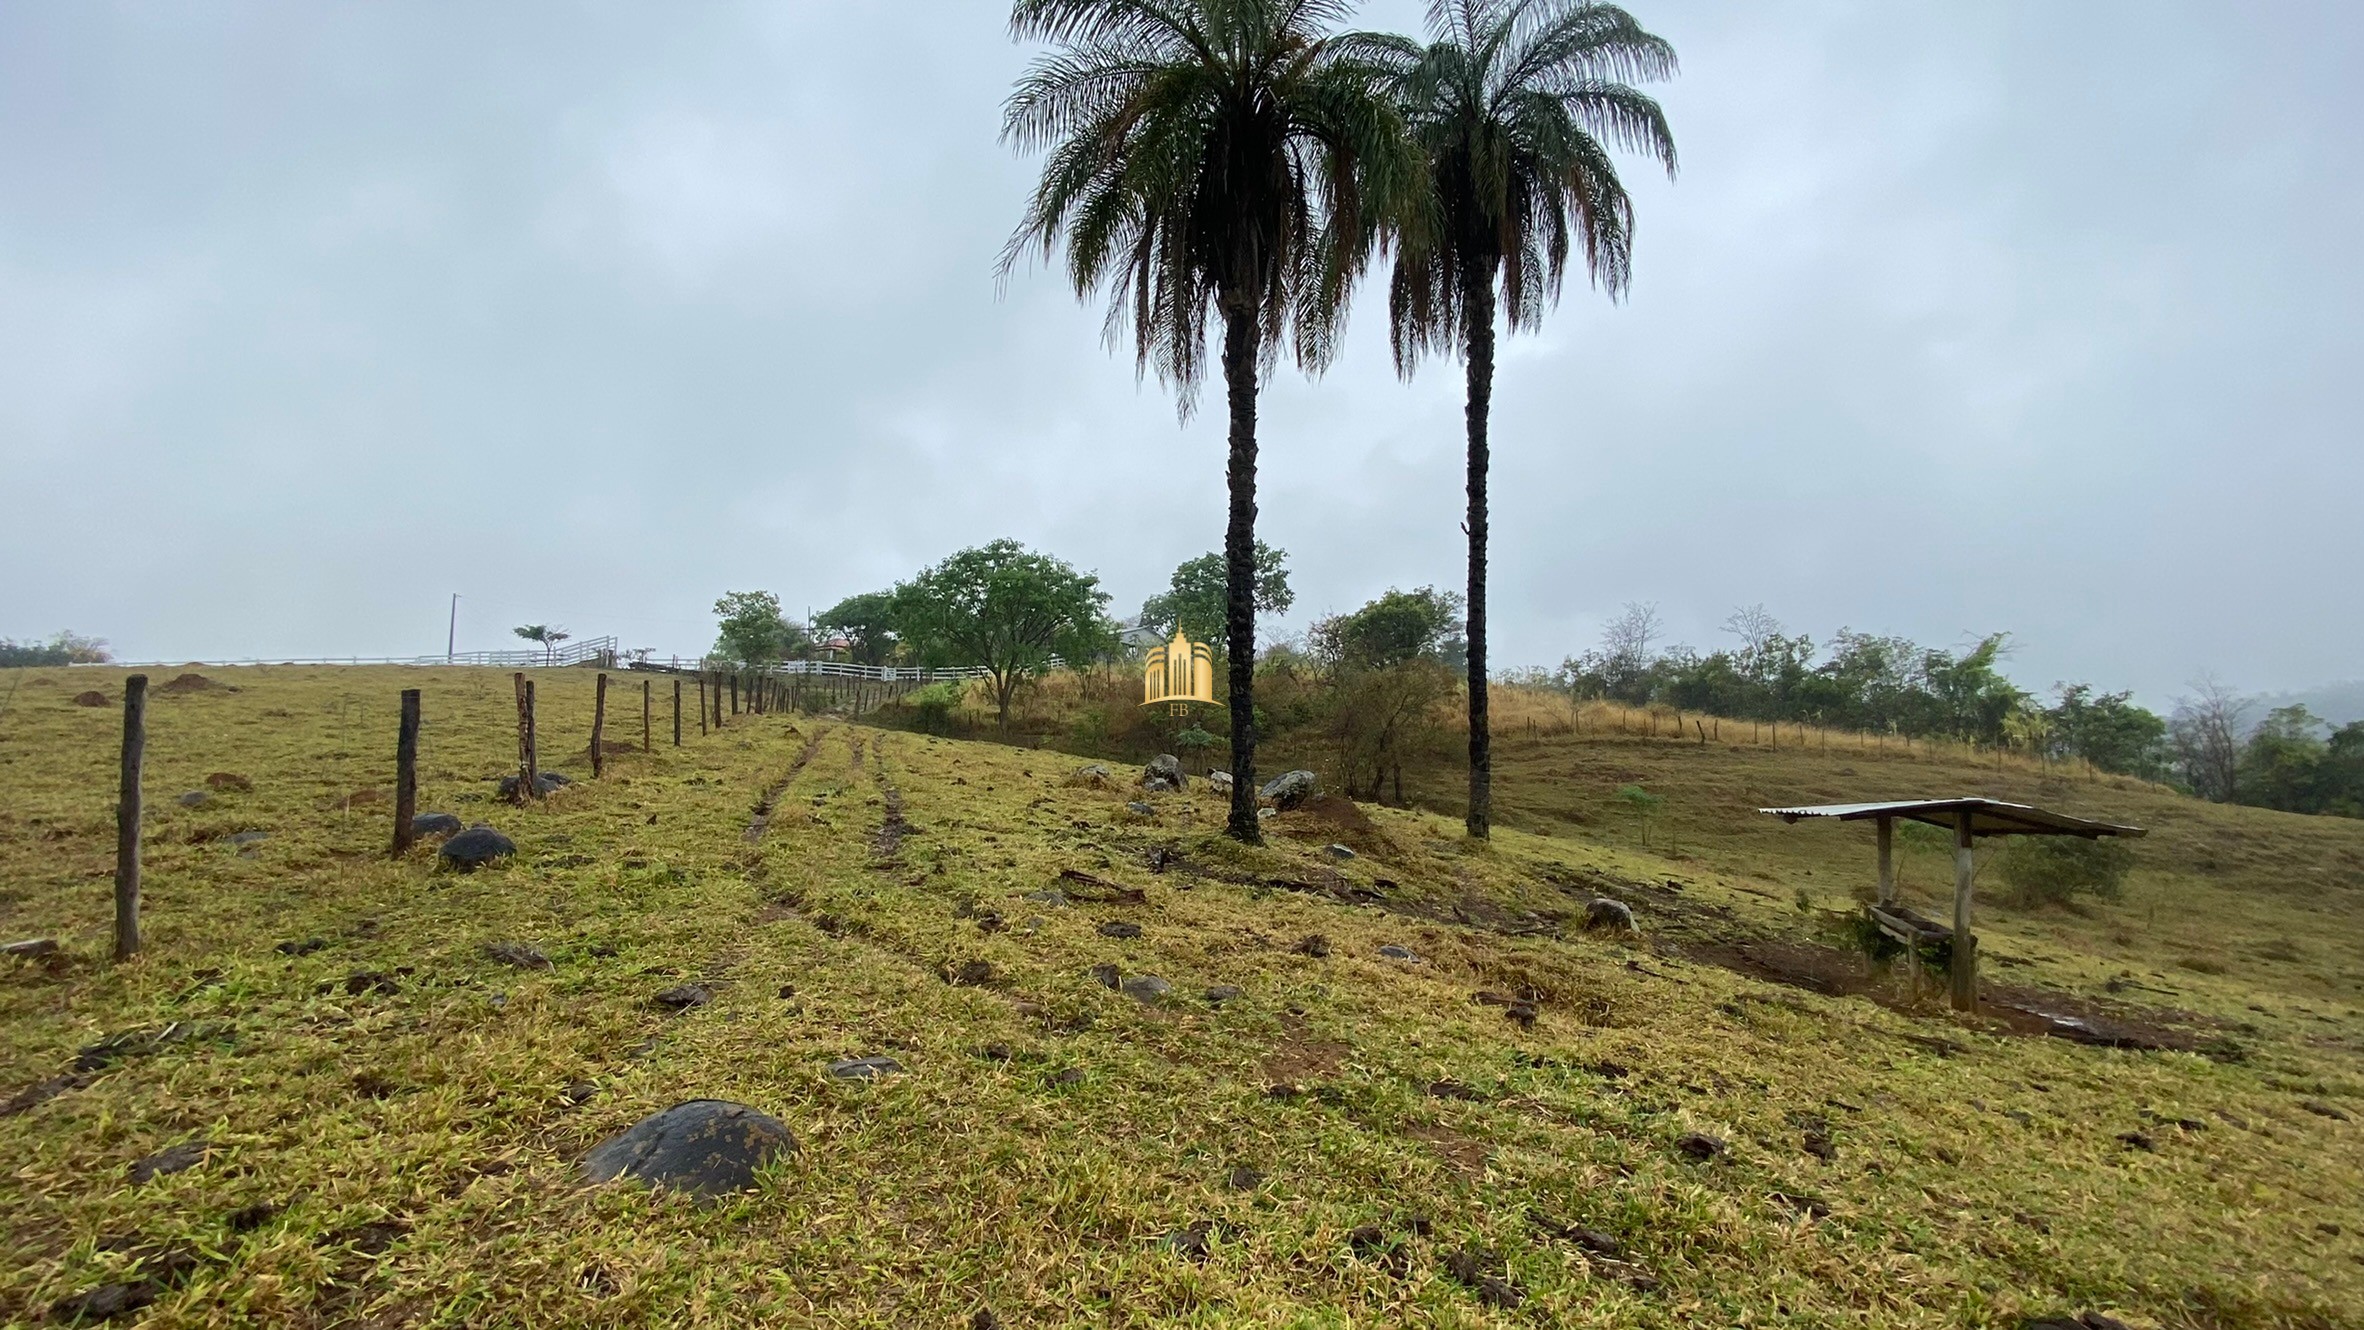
1006 608
753 632
1222 157
2281 762
1511 102
547 635
1397 627
65 648
1194 601
2108 730
867 621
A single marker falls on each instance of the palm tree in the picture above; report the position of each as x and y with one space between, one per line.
1511 102
549 635
1223 156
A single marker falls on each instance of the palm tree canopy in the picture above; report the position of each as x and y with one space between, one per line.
1224 154
1516 105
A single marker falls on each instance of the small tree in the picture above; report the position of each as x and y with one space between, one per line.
1194 600
548 635
753 631
867 622
1643 803
1006 608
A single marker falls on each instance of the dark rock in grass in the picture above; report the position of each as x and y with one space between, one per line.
1222 993
1613 916
984 1320
864 1069
2322 1110
1698 1146
1591 1240
1146 988
1140 809
31 949
172 1159
1520 1012
1065 1077
1050 896
2080 1321
971 974
1119 928
247 1219
1105 975
1192 1241
1094 774
519 955
1819 1145
107 1301
435 824
1244 1178
303 948
362 982
242 839
1289 789
682 997
1314 945
1474 1267
1396 953
90 698
1164 773
546 783
1338 851
41 1092
1452 1089
2135 1140
477 846
706 1147
579 1093
194 799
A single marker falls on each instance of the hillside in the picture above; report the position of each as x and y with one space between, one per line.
1518 1123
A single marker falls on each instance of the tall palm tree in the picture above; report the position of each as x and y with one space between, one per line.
1210 156
1515 104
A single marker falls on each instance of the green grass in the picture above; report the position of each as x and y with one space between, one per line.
418 1144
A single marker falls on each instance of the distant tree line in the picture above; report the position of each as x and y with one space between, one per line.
61 649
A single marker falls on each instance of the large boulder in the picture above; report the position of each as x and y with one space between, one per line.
1219 781
706 1147
1608 914
546 783
1289 789
477 846
1164 772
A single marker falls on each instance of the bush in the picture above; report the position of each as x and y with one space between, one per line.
933 704
2050 870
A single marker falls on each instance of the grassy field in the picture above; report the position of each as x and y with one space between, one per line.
1511 1128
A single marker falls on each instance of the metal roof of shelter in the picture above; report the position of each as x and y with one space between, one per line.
1988 817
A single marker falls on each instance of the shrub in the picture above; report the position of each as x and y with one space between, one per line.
933 704
2050 870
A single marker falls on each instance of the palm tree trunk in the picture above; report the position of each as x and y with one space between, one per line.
1239 559
1478 307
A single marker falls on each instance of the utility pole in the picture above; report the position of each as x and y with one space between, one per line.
452 639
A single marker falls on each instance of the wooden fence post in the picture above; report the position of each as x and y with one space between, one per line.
599 727
127 818
734 692
406 772
677 711
645 745
701 704
528 770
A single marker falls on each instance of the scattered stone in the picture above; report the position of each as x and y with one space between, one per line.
303 948
984 1320
1818 1144
1119 928
1452 1089
2080 1321
107 1301
1095 774
1613 915
1244 1178
91 698
435 824
546 783
172 1159
683 997
580 1092
194 799
361 982
2135 1140
1699 1147
519 955
1105 975
706 1147
477 846
1398 953
247 1219
1591 1240
1164 773
1338 851
1140 809
1474 1266
1521 1012
242 839
1065 1076
229 782
1222 993
1050 896
971 974
2322 1110
1219 781
1289 789
1314 945
864 1069
31 949
1192 1241
1146 988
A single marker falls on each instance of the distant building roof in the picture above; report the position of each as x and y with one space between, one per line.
1988 817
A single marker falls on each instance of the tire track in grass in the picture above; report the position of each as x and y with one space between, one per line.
770 799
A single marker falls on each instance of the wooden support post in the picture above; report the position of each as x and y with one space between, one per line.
529 772
127 818
677 713
734 692
1887 826
701 704
599 727
406 771
645 745
1965 962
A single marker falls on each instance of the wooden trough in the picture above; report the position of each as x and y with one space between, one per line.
1968 819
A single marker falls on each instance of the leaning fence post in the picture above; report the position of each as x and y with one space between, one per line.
645 745
599 727
677 712
127 818
406 771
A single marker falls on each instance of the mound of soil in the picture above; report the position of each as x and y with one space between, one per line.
1335 818
194 683
93 698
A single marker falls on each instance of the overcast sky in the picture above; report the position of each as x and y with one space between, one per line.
2041 317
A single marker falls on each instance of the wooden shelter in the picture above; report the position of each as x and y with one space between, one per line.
1969 819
